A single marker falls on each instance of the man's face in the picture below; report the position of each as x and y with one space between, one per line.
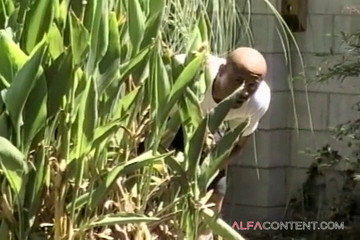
233 78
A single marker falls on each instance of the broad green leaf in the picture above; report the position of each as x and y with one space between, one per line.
61 14
99 35
218 114
134 62
37 23
195 40
35 112
55 41
103 133
111 73
110 63
164 84
90 10
79 39
195 146
13 164
114 48
156 6
136 20
188 74
219 226
87 117
218 155
185 79
190 111
59 77
125 103
11 56
21 87
203 28
153 24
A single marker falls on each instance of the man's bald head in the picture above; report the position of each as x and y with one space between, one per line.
248 60
244 67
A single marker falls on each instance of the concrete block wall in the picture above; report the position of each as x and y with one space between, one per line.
273 166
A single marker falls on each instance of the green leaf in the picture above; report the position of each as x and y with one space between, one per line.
153 25
55 41
35 185
136 20
190 110
195 146
87 116
105 79
37 23
219 226
35 113
218 155
103 133
13 164
203 28
79 39
11 56
185 79
90 10
114 48
125 103
134 62
218 114
99 35
59 77
22 85
195 40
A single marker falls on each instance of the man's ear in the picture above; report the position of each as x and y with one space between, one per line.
221 70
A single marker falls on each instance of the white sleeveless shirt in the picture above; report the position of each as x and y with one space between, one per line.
253 109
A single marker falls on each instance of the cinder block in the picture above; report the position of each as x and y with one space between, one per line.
278 72
259 6
238 213
342 108
295 178
312 64
272 150
351 7
318 35
278 113
346 24
265 187
306 140
318 104
265 35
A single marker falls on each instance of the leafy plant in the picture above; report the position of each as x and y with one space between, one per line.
91 94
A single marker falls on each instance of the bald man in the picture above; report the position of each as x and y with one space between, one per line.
242 67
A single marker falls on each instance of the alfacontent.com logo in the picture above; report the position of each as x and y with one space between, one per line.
288 225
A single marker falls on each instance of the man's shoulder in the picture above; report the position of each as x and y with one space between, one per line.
262 97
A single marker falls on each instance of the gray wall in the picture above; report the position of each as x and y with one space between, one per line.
259 190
